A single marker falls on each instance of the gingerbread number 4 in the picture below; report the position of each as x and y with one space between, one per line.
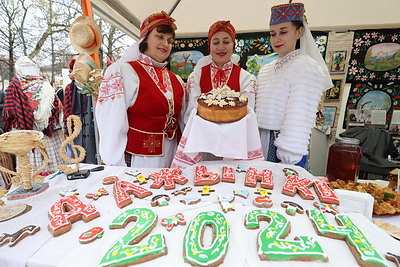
124 252
367 255
194 252
272 246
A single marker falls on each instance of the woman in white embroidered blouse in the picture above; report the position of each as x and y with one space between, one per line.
290 88
140 101
221 67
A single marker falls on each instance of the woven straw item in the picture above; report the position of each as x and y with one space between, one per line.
85 35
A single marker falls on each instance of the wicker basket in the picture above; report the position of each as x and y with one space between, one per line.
6 162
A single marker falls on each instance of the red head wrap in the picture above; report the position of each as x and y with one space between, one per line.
222 25
155 20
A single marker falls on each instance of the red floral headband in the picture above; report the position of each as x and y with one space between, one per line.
155 20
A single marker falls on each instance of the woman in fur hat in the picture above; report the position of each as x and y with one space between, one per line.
140 100
290 88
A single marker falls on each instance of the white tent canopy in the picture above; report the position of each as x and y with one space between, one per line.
193 18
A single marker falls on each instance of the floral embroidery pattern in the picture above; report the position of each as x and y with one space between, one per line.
111 88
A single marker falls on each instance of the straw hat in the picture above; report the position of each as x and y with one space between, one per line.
85 35
84 64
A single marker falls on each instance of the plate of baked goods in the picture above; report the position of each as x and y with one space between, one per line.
386 200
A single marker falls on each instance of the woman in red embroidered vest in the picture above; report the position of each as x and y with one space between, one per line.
31 104
140 100
219 68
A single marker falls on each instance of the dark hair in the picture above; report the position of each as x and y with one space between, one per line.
298 25
161 29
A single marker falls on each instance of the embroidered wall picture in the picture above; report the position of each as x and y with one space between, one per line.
338 62
374 96
375 56
333 94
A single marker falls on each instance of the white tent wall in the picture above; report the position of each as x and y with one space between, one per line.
193 18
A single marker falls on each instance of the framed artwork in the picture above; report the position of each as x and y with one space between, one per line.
329 115
333 94
338 61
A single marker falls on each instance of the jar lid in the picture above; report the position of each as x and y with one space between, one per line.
347 140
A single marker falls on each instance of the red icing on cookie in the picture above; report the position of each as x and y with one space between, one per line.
265 177
67 210
293 185
202 177
90 235
228 174
122 189
263 202
110 180
168 178
325 193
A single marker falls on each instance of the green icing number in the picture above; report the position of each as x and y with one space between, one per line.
194 252
272 247
123 252
350 232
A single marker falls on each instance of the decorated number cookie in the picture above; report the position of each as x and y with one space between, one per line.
331 208
110 180
228 175
91 235
97 194
325 193
226 202
122 189
67 210
292 208
206 190
160 200
262 202
359 244
13 239
190 200
123 252
182 191
168 178
253 176
193 250
173 221
203 177
293 185
272 246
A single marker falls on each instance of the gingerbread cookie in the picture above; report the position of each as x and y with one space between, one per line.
253 177
68 210
91 235
244 193
69 192
240 168
122 190
97 194
206 190
203 177
226 202
182 191
263 202
190 200
173 221
228 175
13 239
160 200
141 179
7 212
110 180
292 208
263 192
325 193
168 178
293 185
331 208
393 257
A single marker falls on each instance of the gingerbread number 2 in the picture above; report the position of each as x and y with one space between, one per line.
272 246
124 252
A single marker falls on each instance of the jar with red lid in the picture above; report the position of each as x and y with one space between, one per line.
344 160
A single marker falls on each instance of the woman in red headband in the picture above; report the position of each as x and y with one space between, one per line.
290 88
140 100
219 68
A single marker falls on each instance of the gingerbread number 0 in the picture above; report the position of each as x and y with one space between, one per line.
124 252
194 252
272 246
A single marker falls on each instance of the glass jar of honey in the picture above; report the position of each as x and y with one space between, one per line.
344 160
